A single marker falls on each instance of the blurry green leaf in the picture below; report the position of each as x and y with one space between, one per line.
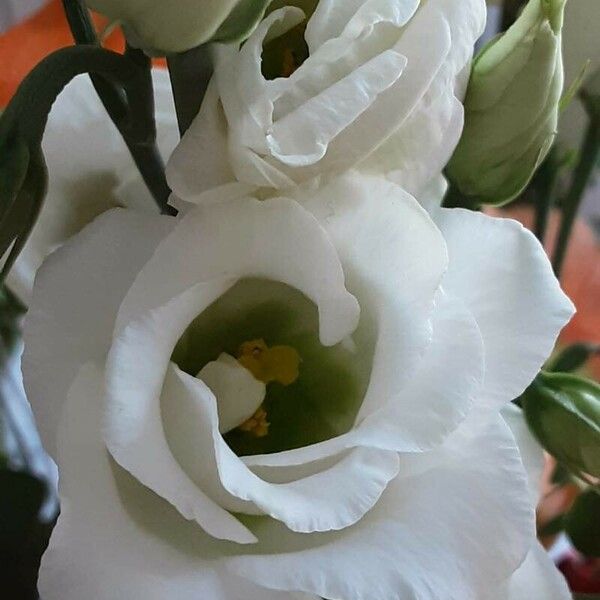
574 357
582 523
563 412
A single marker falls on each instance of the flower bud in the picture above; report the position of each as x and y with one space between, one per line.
179 25
511 107
563 411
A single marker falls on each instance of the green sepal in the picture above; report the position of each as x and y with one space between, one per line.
563 412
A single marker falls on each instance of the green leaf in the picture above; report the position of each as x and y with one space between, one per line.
563 412
582 523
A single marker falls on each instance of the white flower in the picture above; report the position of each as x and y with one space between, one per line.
387 471
381 89
90 171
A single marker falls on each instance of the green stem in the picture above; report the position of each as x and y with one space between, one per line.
588 158
546 194
84 32
28 110
135 122
190 75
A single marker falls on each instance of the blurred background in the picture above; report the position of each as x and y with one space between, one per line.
30 29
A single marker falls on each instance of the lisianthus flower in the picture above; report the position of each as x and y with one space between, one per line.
366 83
90 170
297 395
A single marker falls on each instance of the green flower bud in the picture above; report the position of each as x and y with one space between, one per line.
511 107
563 411
179 25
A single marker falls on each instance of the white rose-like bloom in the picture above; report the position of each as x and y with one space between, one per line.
387 471
381 89
90 171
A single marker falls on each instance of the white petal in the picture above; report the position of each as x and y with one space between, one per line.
394 258
504 277
423 145
530 449
537 577
238 394
201 160
447 531
328 497
133 430
441 391
432 195
302 136
273 239
114 538
393 106
421 415
329 20
64 330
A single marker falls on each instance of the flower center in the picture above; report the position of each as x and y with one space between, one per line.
310 392
279 363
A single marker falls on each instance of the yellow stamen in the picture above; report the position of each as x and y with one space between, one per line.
257 425
279 363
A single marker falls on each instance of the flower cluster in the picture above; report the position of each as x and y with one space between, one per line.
299 387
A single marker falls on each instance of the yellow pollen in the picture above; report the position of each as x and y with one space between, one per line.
257 425
279 363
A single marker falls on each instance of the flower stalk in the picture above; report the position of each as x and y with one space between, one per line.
190 74
140 112
588 158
